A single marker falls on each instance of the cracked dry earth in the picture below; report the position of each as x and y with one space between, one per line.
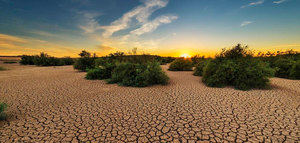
57 104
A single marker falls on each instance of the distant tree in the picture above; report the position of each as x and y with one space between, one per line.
84 54
85 61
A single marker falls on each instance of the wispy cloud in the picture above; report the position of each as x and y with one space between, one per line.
141 13
90 22
137 20
14 45
104 48
245 23
253 3
152 25
43 33
11 39
279 1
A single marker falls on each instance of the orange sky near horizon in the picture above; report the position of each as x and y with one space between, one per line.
13 46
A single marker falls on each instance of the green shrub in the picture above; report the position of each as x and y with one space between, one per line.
295 71
9 62
252 74
98 73
236 67
2 68
283 67
165 60
138 75
181 64
67 61
103 70
85 61
3 106
197 58
43 60
27 60
235 53
83 64
198 71
219 73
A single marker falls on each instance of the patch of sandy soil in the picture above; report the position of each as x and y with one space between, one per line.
57 104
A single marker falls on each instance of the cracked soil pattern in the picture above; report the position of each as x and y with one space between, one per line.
57 104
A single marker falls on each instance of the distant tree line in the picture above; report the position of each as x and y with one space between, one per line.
45 60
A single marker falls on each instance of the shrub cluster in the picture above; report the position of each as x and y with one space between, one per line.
45 60
103 70
237 67
198 71
130 70
295 70
67 61
283 67
27 60
283 62
128 73
97 73
181 64
144 58
166 60
138 75
10 62
85 62
3 106
2 69
197 59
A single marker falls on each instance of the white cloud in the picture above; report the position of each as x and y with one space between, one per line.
152 25
254 3
90 22
137 20
279 1
245 23
140 13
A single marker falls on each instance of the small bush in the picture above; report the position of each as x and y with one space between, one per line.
219 74
67 61
198 71
283 67
102 70
3 107
83 64
138 75
45 60
98 73
181 64
2 68
27 60
236 67
9 62
197 58
235 53
295 70
166 60
252 74
85 61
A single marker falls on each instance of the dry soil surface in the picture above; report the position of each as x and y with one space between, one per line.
57 104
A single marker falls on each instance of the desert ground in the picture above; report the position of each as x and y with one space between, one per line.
57 104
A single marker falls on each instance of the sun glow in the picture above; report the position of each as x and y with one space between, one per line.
185 55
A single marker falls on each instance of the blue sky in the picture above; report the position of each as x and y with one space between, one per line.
164 27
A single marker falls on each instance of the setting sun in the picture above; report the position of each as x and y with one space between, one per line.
185 55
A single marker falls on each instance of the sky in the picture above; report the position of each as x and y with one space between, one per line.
162 27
